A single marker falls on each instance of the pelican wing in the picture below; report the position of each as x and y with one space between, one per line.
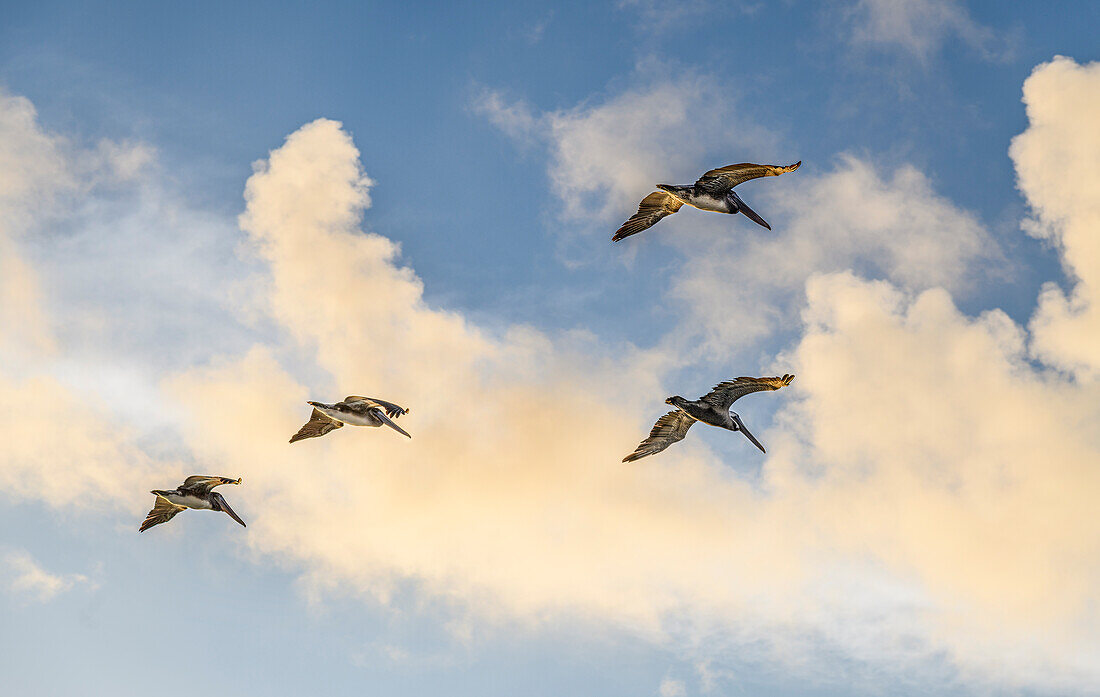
652 208
318 425
163 511
726 393
202 484
392 410
670 428
725 178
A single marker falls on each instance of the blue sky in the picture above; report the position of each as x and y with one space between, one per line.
504 143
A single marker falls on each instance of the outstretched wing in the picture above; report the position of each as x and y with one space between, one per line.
725 178
670 428
726 393
163 511
318 425
202 484
652 208
392 410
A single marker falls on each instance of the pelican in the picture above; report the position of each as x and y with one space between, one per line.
357 411
712 408
713 192
197 491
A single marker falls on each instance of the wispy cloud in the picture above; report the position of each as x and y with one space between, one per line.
920 27
27 579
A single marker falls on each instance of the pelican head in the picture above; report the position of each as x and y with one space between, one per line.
218 503
674 401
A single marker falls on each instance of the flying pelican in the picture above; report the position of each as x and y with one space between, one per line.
197 491
713 192
712 408
357 411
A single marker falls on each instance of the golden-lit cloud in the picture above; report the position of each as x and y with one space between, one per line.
928 487
59 447
1058 164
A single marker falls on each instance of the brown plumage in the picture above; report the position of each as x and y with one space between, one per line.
650 211
711 192
713 409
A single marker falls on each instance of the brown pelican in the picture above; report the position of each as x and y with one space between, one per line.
357 411
712 408
713 192
197 491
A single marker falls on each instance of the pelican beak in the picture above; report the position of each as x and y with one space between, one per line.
224 506
741 427
314 404
750 213
386 420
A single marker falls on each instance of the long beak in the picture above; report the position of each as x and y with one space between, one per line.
227 509
741 427
386 420
750 213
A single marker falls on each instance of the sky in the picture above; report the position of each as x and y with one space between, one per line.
211 213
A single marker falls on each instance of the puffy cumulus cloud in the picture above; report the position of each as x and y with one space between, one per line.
1058 165
510 496
739 288
740 284
926 499
605 157
927 442
908 510
920 27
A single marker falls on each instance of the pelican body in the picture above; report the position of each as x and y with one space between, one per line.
712 409
712 192
355 411
196 492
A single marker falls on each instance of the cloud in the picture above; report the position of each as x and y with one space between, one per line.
926 500
909 510
28 579
920 27
671 688
41 173
1058 168
739 284
928 443
739 288
605 157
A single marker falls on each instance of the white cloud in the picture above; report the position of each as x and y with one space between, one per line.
1058 164
901 494
921 27
742 286
740 283
928 496
60 446
26 578
605 157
